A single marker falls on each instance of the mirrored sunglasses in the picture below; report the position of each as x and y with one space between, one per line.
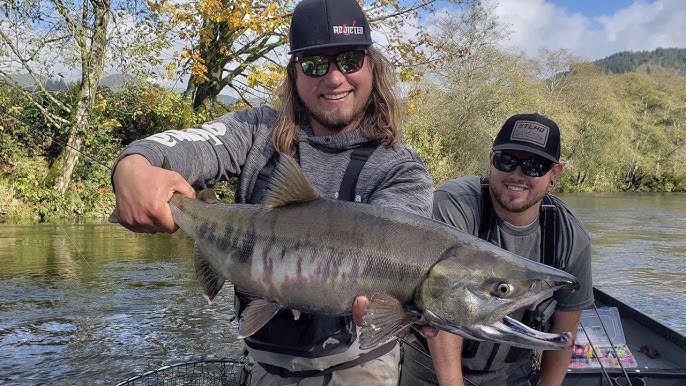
318 65
534 167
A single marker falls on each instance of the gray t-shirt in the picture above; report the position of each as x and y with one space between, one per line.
458 203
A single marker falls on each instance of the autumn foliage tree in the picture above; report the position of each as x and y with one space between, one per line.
240 44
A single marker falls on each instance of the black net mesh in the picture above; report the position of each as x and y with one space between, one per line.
220 372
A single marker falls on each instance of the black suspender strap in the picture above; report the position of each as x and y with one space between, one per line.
263 179
548 220
366 357
358 158
487 217
346 192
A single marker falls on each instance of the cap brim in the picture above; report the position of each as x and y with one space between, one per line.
330 45
529 149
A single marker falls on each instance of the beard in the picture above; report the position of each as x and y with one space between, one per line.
513 205
336 119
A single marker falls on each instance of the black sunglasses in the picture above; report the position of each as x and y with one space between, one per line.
534 167
318 65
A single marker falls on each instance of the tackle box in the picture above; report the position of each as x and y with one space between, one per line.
604 330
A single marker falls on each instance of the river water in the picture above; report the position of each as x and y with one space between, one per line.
94 304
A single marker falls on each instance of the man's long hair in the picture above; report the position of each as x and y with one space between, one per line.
381 112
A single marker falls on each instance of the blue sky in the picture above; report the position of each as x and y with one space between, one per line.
592 8
594 29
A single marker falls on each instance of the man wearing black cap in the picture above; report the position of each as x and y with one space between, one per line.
338 116
514 210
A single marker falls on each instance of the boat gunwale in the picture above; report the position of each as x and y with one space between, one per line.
628 312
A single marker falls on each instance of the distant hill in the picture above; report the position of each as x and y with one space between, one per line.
227 99
113 81
27 82
117 81
645 61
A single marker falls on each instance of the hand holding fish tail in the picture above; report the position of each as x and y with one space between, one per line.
141 202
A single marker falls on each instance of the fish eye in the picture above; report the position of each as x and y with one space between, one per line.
504 289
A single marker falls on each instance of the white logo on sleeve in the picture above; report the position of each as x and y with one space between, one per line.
206 132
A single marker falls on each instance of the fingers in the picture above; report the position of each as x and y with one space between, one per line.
427 331
359 308
142 193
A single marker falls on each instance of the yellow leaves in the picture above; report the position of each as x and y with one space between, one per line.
170 68
198 69
408 74
100 103
384 3
110 124
225 50
237 14
15 110
413 96
265 76
268 20
157 6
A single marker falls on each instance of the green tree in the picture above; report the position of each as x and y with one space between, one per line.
45 38
581 100
453 121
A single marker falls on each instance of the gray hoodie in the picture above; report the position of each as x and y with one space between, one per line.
238 145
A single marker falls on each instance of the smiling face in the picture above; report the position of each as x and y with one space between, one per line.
516 196
335 102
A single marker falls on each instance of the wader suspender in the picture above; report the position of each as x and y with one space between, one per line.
346 192
262 180
548 220
358 158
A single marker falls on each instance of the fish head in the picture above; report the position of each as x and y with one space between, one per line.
474 286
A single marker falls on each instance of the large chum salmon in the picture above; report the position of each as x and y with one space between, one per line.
310 254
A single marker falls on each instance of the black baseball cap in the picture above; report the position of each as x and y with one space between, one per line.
533 133
328 23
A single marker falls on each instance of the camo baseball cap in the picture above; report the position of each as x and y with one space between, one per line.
533 133
328 23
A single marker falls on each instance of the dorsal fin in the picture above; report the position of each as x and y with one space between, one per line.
288 184
207 195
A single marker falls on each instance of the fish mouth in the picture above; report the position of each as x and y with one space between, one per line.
514 333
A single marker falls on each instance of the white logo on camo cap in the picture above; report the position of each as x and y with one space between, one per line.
530 131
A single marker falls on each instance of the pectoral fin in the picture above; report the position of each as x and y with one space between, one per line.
384 320
210 282
255 316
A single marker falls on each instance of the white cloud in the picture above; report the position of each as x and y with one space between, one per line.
642 25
